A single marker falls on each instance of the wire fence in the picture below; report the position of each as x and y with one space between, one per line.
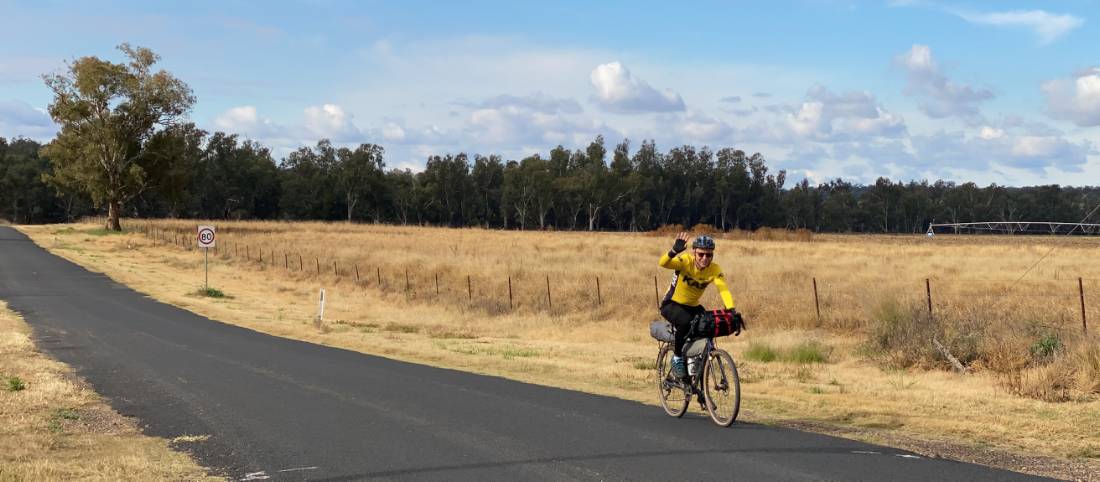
813 300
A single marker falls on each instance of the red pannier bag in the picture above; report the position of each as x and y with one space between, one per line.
716 323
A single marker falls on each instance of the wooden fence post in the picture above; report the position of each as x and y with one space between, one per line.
356 273
246 254
301 265
1081 291
549 301
437 284
317 266
509 292
286 261
469 288
335 272
928 293
378 273
406 279
599 297
817 304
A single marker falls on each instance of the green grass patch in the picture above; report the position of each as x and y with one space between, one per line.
15 384
761 352
1044 348
210 293
58 417
807 352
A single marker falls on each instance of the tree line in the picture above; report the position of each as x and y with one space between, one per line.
193 174
124 148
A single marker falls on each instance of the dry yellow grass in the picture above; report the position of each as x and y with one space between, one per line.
606 349
55 428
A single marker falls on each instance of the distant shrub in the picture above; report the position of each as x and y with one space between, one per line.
761 352
16 384
211 293
1044 348
808 352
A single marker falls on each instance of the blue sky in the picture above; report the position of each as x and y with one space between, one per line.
1005 92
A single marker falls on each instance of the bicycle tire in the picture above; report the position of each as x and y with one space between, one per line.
674 407
722 388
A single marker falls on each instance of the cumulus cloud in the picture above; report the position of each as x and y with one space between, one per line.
396 131
991 146
511 126
1076 99
1047 26
245 120
697 127
331 122
828 117
733 99
19 119
939 97
617 90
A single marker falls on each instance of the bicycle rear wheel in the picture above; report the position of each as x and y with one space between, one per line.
722 388
673 397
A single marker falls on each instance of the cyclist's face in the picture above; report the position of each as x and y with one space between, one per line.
703 257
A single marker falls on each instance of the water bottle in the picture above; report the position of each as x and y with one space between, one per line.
693 366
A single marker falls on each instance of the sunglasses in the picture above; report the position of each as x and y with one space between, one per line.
704 254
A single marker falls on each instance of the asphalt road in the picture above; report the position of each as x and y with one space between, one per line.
291 410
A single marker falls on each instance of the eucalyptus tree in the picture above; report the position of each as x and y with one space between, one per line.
358 174
107 113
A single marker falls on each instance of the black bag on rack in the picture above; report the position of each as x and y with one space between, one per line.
716 323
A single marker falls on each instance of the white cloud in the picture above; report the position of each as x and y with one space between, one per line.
617 90
19 119
1077 99
393 132
512 126
1047 26
828 117
698 127
938 96
245 120
329 121
1021 150
990 133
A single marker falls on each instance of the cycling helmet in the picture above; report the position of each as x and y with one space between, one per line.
703 242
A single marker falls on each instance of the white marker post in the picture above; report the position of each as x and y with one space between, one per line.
206 241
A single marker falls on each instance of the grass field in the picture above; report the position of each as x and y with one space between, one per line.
53 427
867 368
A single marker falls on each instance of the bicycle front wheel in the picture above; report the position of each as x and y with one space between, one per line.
722 388
673 397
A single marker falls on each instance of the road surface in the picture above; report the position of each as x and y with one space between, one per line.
279 409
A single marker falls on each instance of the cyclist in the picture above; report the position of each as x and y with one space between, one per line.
694 271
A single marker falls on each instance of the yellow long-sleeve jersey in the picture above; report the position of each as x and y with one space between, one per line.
689 283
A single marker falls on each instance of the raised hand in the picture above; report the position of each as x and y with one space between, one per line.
681 242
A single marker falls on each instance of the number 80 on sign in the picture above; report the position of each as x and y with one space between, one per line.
206 236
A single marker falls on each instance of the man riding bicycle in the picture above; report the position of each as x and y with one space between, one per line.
694 271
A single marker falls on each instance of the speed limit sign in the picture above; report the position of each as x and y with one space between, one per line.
206 236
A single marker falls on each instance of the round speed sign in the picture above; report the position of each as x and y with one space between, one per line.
206 236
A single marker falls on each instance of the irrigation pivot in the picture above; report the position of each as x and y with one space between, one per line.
1015 227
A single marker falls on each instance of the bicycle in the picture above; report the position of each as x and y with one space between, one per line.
716 384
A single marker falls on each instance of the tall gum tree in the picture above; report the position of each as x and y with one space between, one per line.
107 113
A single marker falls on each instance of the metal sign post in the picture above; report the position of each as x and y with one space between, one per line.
206 241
